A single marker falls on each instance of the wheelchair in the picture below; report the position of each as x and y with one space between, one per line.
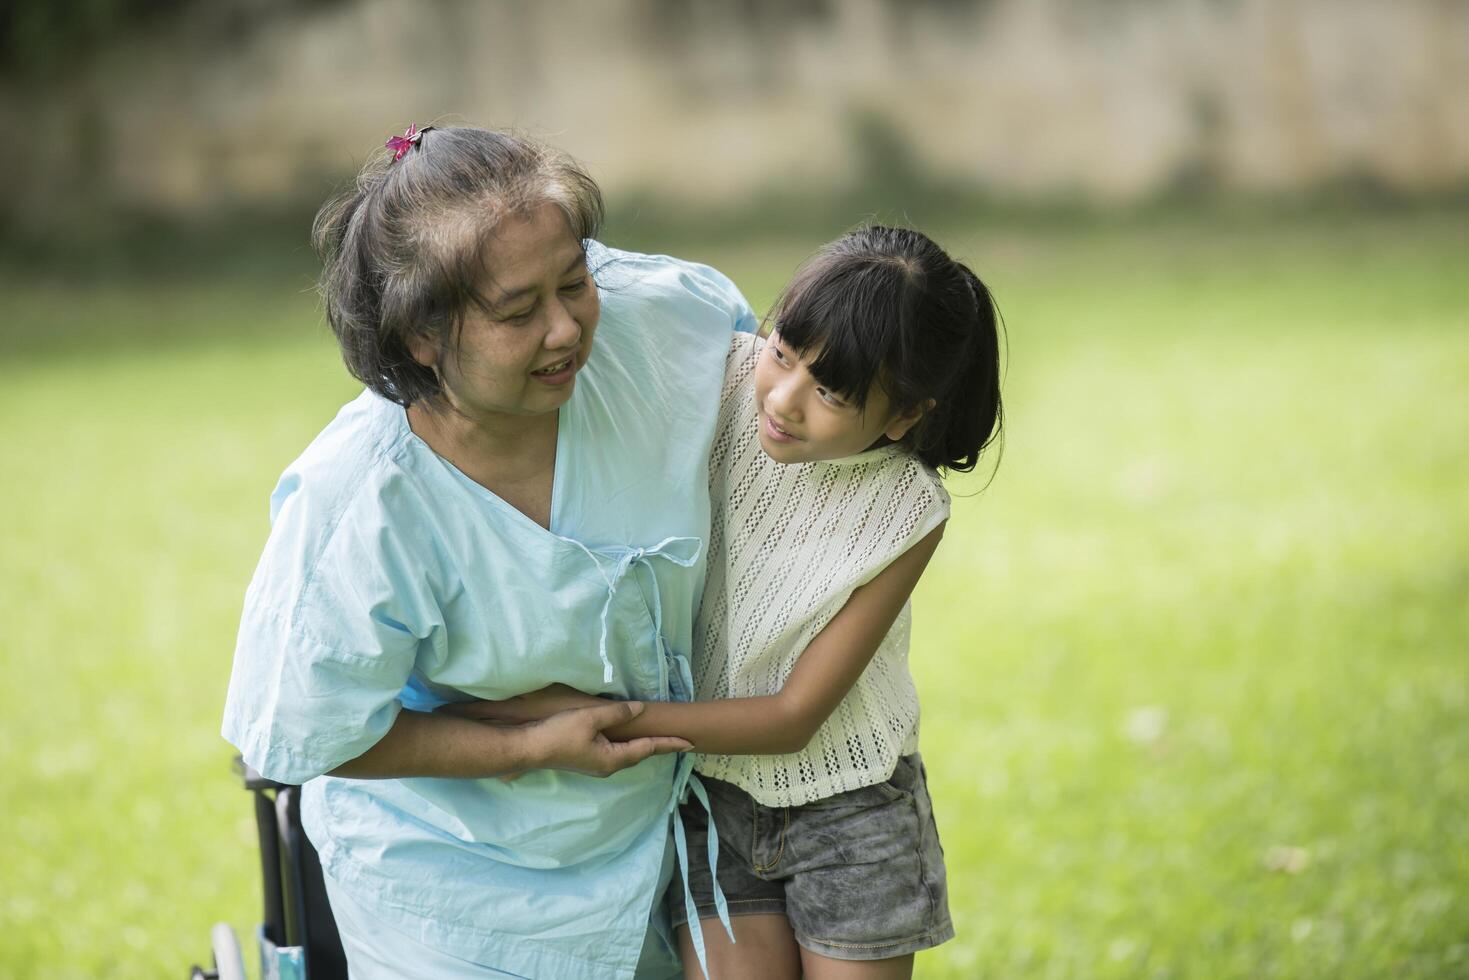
297 937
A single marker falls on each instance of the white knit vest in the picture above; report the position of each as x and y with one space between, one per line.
788 545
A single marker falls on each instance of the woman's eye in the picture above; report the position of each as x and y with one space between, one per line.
572 288
521 317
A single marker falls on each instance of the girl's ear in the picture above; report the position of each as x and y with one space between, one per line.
425 350
902 422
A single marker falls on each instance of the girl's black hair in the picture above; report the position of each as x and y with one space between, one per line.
887 306
403 252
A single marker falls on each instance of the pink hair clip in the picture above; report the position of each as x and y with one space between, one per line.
402 144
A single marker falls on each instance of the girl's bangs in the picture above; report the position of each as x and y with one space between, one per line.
846 322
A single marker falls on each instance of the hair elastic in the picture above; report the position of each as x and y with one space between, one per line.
402 144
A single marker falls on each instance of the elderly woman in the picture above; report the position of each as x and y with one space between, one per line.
508 505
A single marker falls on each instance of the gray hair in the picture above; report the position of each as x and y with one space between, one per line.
403 252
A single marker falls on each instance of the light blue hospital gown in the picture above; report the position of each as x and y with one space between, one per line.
391 579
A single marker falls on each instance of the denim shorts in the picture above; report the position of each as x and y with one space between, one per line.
859 875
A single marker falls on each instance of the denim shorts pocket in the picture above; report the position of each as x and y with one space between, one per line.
899 787
903 783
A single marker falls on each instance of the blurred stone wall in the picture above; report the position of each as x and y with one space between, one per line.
255 100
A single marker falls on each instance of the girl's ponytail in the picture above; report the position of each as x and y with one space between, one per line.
970 416
956 354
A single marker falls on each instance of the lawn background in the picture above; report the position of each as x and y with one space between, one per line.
1194 665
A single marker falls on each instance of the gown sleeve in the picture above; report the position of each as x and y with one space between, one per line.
689 288
719 291
330 632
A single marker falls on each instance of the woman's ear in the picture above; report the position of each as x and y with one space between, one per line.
425 349
903 421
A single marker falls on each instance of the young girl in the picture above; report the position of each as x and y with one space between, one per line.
882 368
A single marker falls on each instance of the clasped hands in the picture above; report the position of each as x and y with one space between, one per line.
570 730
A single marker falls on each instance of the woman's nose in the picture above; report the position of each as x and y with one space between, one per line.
564 331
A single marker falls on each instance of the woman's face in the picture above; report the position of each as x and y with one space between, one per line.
521 355
801 421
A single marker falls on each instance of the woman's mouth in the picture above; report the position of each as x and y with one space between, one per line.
558 373
777 433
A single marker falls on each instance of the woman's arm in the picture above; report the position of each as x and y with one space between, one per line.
420 744
773 724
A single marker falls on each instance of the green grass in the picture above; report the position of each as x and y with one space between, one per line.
1214 603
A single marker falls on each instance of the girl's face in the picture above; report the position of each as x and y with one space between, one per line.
802 421
521 356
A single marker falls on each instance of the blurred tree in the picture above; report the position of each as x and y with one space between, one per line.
44 39
41 38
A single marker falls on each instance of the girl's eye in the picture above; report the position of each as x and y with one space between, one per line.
830 398
777 353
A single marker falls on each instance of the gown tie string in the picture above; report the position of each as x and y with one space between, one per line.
693 786
684 552
681 551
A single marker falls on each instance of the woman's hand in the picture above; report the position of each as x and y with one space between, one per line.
524 708
574 739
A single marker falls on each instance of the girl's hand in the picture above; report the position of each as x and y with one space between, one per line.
524 708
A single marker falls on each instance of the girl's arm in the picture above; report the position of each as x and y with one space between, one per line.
774 724
822 677
420 744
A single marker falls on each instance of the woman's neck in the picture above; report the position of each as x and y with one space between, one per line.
512 456
494 435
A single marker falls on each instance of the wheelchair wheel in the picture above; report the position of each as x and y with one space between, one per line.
229 963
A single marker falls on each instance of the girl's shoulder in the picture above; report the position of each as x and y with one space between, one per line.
927 477
902 500
928 489
888 480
